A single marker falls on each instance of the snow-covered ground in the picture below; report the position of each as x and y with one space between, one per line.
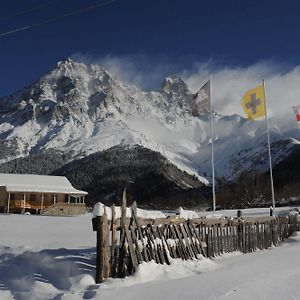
45 257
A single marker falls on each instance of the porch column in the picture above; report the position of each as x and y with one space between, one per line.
83 199
54 198
42 202
24 200
8 203
69 198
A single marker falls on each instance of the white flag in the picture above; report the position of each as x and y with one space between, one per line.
201 100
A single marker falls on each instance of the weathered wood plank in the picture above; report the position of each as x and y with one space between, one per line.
136 243
171 242
140 232
113 242
97 224
152 246
123 250
131 248
165 247
187 242
179 246
196 240
102 255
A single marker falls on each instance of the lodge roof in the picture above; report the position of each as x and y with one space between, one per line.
38 184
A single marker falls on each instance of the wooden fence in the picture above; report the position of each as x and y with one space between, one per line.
123 243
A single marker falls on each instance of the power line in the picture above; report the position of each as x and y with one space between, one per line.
29 10
75 12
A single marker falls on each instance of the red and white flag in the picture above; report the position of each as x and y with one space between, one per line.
296 110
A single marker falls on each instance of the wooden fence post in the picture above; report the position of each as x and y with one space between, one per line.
208 242
98 247
240 236
102 256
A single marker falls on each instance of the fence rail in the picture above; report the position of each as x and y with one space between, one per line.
123 243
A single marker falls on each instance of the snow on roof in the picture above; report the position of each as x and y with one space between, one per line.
38 183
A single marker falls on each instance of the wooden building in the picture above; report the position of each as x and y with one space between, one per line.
20 193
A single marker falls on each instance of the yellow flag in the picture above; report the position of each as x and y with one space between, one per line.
253 103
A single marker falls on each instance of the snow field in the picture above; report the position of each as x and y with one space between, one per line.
44 257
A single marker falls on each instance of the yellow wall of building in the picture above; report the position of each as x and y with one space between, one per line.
60 198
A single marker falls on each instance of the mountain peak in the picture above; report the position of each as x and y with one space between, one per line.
174 85
69 67
68 63
67 60
70 76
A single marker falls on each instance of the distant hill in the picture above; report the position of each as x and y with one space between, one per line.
149 178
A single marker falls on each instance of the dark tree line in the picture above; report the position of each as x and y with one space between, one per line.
149 177
153 181
254 188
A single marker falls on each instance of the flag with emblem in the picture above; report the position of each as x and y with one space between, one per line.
296 110
254 103
201 100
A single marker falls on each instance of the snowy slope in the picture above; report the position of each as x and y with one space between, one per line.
81 109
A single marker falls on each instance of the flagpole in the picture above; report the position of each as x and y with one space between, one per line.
212 145
269 147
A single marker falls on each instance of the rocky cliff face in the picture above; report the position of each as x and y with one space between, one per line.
81 109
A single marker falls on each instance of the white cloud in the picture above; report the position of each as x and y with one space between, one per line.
229 82
140 70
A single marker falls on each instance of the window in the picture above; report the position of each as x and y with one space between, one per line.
12 197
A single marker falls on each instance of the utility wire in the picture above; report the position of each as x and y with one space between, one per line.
29 10
75 12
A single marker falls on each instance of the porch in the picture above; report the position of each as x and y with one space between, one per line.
38 202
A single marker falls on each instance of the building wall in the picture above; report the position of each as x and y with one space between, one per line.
60 198
33 203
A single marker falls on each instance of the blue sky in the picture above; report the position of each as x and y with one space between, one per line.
176 35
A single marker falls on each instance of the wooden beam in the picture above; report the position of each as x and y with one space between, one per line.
113 242
8 203
24 200
42 202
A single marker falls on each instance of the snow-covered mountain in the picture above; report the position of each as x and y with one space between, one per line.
81 109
